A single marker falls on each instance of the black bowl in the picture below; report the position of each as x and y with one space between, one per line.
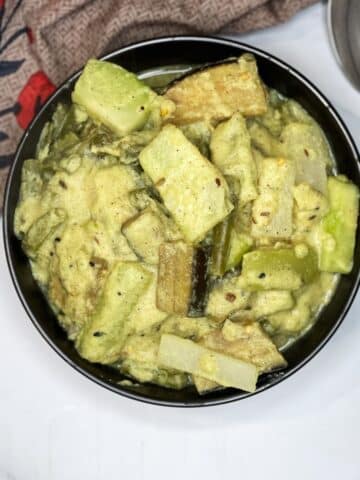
149 55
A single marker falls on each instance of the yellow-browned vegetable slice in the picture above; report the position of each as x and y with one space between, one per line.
231 153
272 209
187 356
279 269
104 334
246 341
193 190
217 92
174 277
338 227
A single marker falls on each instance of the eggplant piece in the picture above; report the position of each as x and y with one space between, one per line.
220 247
200 281
174 277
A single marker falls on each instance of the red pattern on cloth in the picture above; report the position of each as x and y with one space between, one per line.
37 89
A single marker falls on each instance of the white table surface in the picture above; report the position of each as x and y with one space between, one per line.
57 425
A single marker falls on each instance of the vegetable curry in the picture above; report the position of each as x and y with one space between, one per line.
186 238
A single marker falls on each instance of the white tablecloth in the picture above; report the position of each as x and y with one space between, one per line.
57 425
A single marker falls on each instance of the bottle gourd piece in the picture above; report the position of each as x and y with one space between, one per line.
117 98
338 227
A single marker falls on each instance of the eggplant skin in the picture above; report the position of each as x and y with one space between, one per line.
217 92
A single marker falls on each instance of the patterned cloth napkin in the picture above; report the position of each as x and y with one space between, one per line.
42 42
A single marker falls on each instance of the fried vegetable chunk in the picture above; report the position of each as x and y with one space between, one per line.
104 334
174 277
191 186
246 341
215 93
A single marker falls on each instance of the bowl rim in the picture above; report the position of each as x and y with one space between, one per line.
117 388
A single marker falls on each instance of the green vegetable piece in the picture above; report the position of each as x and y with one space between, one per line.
338 227
115 97
278 269
262 139
240 243
307 147
229 245
187 356
41 229
231 153
272 213
193 189
220 248
103 336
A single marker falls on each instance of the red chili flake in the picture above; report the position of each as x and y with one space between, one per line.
230 297
218 182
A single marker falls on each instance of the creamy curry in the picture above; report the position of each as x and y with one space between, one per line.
189 237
